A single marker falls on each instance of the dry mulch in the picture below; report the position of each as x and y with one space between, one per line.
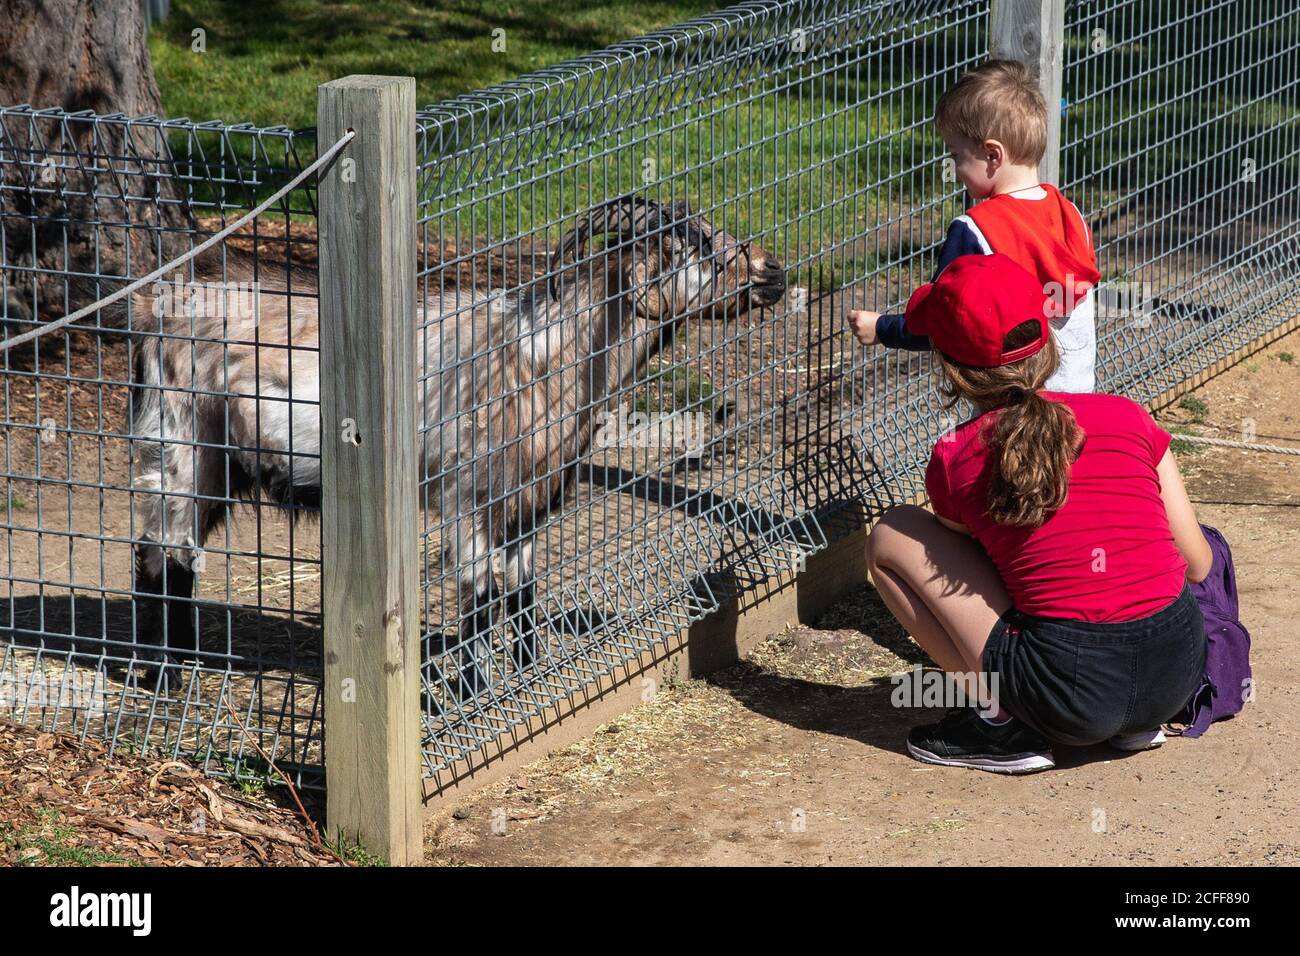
67 802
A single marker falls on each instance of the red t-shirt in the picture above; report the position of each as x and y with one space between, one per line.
1108 553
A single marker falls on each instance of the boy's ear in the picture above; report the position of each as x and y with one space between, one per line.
994 152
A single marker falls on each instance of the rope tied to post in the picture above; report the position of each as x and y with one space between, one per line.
206 244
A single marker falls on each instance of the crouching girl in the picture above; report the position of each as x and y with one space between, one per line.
1057 560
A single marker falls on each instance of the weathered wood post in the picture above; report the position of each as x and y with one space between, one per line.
369 581
1033 32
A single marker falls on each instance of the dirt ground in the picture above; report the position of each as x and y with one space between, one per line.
796 756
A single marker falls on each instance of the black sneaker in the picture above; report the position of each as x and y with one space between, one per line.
963 739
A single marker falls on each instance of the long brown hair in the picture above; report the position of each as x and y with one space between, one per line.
1032 441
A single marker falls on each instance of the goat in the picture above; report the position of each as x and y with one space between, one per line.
510 387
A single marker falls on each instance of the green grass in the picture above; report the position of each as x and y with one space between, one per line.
796 160
1181 447
131 744
253 786
675 388
251 774
264 60
773 142
55 842
1197 407
1285 357
354 853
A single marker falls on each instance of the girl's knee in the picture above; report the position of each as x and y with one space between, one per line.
900 523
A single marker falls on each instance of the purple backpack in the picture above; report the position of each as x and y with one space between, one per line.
1227 683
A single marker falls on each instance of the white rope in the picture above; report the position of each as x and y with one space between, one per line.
1229 443
799 370
212 240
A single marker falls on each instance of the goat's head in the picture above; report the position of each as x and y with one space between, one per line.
674 263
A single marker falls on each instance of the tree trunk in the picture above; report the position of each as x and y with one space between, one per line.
65 178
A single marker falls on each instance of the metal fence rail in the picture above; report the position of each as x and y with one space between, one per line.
636 395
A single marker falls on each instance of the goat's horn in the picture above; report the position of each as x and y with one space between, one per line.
683 228
598 222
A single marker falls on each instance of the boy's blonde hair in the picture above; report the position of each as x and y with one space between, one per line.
997 100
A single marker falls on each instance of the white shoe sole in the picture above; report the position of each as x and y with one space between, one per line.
1146 740
1030 763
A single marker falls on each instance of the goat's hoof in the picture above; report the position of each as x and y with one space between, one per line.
154 671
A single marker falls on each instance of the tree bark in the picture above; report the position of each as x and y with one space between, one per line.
65 178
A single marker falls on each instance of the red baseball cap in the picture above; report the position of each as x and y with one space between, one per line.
968 311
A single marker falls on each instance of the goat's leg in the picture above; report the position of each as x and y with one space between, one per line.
173 519
521 603
479 597
479 614
151 615
167 622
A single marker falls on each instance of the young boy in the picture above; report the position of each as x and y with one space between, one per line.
994 123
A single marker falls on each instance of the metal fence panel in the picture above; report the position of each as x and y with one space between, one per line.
86 202
727 443
1181 142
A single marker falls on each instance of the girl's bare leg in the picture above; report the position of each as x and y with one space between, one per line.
940 585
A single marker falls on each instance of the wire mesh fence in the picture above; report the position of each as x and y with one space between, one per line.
629 466
87 202
1181 141
637 396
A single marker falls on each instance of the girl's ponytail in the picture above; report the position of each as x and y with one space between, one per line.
1031 441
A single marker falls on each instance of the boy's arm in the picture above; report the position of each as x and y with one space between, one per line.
892 333
962 240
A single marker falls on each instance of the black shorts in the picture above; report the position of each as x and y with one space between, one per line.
1079 683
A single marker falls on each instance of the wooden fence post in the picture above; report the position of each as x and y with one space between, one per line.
369 471
1033 32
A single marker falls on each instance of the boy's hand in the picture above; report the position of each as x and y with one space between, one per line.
863 324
